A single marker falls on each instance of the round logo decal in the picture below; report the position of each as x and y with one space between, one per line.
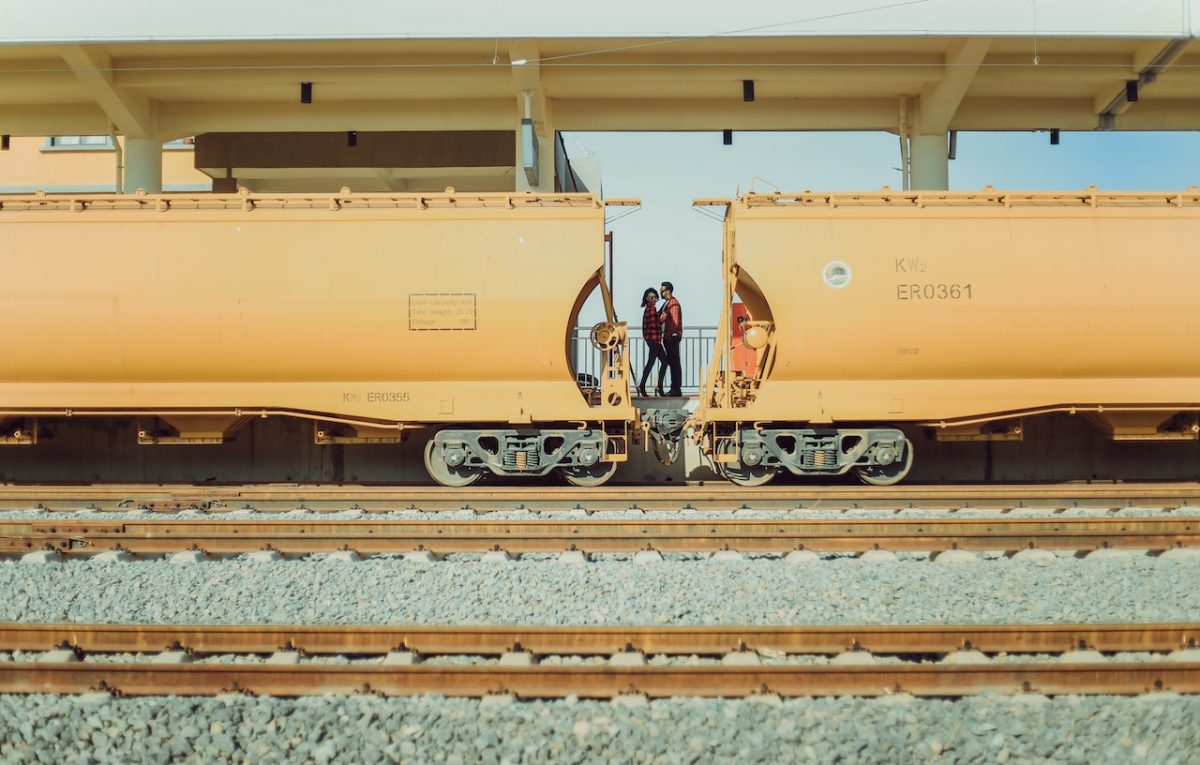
836 274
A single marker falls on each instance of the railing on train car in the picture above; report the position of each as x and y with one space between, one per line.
695 353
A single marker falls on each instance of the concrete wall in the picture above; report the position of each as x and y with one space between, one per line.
29 166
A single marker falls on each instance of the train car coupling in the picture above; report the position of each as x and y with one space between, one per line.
664 429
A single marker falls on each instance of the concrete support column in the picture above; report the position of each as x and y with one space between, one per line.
143 164
545 160
546 167
930 164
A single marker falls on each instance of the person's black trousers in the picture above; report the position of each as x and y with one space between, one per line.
654 352
671 345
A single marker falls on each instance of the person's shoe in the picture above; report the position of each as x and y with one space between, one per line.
674 394
641 389
659 392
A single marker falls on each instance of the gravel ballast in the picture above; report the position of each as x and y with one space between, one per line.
1158 728
536 592
610 590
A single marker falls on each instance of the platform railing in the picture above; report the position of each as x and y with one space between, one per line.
695 353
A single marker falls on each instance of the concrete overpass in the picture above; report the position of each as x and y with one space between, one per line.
379 95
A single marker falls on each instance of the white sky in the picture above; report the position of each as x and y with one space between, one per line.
667 239
129 20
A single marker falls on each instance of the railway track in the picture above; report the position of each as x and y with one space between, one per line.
849 535
543 680
335 498
495 640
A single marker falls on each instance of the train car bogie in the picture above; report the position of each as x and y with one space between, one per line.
880 456
459 457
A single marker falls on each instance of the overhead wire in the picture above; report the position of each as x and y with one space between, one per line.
729 33
941 65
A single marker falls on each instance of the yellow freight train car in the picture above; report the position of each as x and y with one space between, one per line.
963 313
369 315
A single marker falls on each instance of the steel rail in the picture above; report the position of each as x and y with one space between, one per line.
597 682
599 640
74 537
718 496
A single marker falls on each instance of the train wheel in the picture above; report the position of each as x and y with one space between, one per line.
596 475
445 474
891 474
743 475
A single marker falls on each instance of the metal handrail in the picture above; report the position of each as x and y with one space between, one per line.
695 355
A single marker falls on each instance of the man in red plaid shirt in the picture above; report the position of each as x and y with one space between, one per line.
672 319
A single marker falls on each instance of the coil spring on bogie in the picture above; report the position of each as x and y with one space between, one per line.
521 455
820 458
823 457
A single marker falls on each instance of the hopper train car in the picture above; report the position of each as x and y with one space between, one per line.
965 314
370 315
450 316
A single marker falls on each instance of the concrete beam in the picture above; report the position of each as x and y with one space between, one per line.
42 87
54 119
195 117
410 78
1024 114
715 114
132 113
822 114
1110 99
1148 64
939 101
468 79
1158 114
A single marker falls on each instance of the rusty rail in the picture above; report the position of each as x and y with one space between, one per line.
73 537
598 682
542 681
327 497
592 641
